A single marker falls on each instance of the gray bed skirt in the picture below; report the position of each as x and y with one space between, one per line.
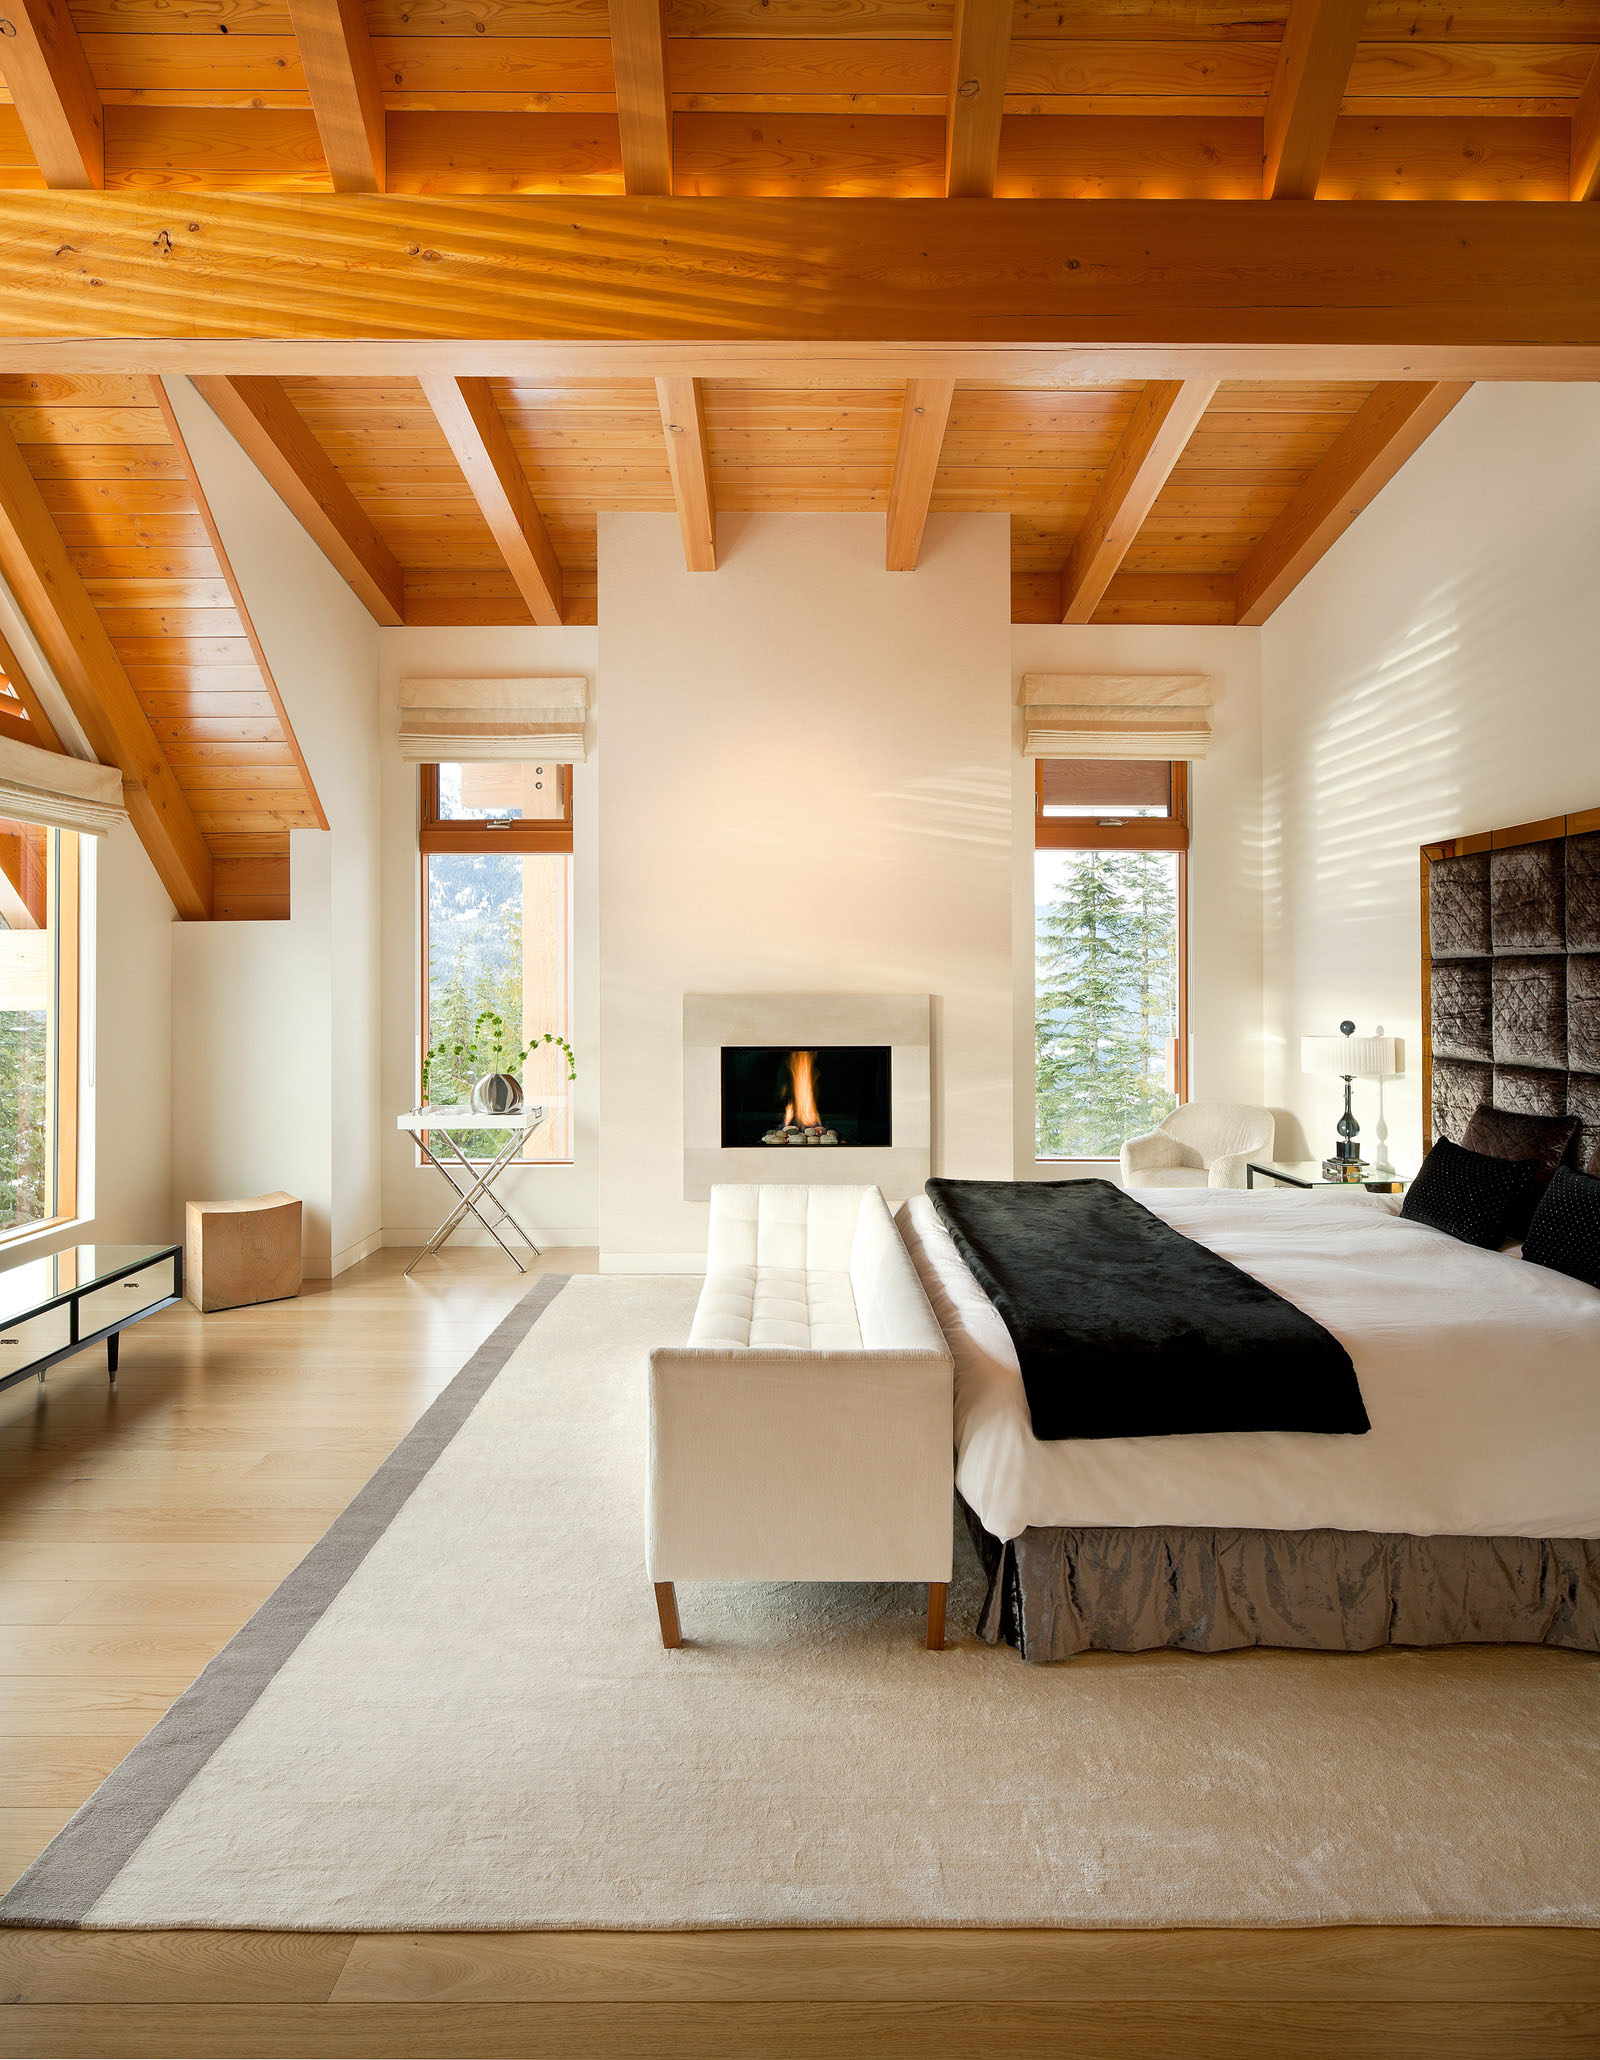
1059 1591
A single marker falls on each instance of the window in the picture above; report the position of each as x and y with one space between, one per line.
38 1026
497 924
1111 843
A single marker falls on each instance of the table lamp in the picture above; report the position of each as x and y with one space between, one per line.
1350 1057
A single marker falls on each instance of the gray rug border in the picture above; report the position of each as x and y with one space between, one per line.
80 1863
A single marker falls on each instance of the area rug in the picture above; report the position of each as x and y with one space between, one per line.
457 1714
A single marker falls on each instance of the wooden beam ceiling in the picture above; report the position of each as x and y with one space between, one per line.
59 611
923 416
644 113
57 101
1586 140
1314 59
979 51
683 424
1164 418
474 428
44 732
1392 425
264 423
1502 283
346 98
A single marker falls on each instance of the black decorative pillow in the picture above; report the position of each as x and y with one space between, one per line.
1565 1232
1468 1194
1541 1141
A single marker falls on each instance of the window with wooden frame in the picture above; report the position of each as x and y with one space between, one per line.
496 848
39 990
1111 846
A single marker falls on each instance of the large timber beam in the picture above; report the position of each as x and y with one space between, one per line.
475 430
1312 289
1382 435
683 423
273 434
923 415
1164 418
37 568
979 51
1314 58
346 99
644 112
1586 139
56 99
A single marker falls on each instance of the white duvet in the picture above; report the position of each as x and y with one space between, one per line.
1480 1371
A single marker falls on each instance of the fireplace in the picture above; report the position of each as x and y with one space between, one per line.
846 1078
819 1095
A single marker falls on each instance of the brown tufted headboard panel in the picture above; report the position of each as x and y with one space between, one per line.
1511 976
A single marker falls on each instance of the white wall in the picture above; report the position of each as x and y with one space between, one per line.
1437 674
557 1203
807 787
1224 855
315 1043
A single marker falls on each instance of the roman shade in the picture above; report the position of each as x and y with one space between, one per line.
62 793
452 720
1115 715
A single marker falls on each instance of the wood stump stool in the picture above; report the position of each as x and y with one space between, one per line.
235 1253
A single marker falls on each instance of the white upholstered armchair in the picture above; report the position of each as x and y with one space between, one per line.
1201 1144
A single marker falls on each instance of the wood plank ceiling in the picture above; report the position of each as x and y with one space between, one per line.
102 521
454 498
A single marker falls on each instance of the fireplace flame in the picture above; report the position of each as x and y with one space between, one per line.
803 1078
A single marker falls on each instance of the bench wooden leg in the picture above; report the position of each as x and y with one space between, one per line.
936 1599
667 1610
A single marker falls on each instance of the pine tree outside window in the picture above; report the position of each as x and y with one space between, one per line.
1110 1008
39 971
496 843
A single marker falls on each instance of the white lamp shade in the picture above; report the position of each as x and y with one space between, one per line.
1367 1058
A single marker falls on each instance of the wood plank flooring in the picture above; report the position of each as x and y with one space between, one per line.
138 1530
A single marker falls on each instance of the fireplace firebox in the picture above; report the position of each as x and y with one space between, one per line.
835 1094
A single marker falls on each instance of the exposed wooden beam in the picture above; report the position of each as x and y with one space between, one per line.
979 50
1314 58
683 423
56 99
273 434
923 415
644 111
241 607
1320 291
62 617
1163 420
45 734
346 99
475 430
1388 428
1586 139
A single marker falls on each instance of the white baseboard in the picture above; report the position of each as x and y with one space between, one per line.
318 1266
550 1237
652 1262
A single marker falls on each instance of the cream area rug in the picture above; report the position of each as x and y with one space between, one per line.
457 1713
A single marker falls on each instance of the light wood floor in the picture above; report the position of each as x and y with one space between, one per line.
139 1529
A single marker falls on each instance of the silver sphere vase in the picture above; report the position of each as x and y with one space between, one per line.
497 1094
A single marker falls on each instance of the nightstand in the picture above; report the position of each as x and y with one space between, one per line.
1308 1173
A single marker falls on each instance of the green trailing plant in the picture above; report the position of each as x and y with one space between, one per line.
494 1052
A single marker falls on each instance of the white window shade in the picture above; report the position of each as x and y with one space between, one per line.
1116 715
453 720
62 793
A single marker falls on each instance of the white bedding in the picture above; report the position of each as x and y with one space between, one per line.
1481 1374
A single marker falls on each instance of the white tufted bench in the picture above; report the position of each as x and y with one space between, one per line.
805 1432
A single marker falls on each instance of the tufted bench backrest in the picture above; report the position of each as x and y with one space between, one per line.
800 1229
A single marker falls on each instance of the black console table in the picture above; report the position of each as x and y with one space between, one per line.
52 1308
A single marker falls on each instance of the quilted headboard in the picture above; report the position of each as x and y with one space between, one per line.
1511 976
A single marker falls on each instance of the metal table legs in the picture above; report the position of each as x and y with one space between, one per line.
476 1186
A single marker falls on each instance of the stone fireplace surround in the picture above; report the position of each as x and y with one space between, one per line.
800 1021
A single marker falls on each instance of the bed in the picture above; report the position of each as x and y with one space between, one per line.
1469 1511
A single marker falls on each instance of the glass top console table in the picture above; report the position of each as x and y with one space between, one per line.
51 1308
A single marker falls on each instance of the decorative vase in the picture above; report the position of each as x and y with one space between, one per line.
497 1094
